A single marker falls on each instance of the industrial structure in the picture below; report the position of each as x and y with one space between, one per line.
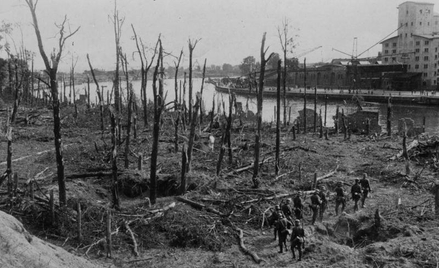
408 61
417 43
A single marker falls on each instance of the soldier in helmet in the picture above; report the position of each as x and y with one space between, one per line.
274 218
283 225
315 205
298 206
340 198
287 210
297 239
356 193
324 202
365 186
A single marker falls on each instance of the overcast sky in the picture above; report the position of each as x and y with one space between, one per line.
229 30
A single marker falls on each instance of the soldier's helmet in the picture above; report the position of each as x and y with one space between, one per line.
322 188
289 200
357 180
297 221
339 183
277 207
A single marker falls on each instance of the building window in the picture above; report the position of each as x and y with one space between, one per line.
420 11
386 45
418 43
426 49
386 59
425 66
394 51
406 24
417 58
425 58
406 35
407 12
409 66
417 50
393 44
393 59
386 51
416 66
426 42
420 23
412 23
435 49
425 74
401 24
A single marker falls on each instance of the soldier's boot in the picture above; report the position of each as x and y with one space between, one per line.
275 234
300 254
294 255
281 248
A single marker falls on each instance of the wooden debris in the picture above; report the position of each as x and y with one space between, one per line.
199 206
254 256
133 239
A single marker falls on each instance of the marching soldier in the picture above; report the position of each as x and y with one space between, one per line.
297 239
282 231
340 198
315 205
356 193
275 218
298 207
324 202
365 186
286 210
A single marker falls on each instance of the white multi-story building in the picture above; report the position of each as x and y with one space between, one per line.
417 42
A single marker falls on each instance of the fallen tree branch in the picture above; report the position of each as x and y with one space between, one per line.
327 175
199 206
248 166
135 251
254 256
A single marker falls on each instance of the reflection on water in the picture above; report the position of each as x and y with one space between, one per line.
415 112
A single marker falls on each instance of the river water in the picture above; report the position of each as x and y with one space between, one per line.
415 112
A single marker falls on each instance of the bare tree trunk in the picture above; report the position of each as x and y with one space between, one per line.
183 170
114 184
177 104
315 109
389 118
158 107
101 105
304 97
144 68
127 141
191 50
52 71
201 93
192 133
277 165
259 114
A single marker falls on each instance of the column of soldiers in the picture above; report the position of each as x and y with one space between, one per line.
286 214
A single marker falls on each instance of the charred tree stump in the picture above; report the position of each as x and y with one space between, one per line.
336 121
140 162
52 208
192 132
326 134
321 125
326 107
108 233
404 141
114 184
367 126
277 161
183 170
79 222
304 97
177 104
259 113
389 118
294 133
158 108
315 110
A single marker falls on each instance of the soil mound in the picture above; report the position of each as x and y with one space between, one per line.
21 249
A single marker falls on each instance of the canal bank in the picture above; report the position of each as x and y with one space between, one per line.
379 96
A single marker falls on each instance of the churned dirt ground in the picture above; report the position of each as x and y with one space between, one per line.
184 236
